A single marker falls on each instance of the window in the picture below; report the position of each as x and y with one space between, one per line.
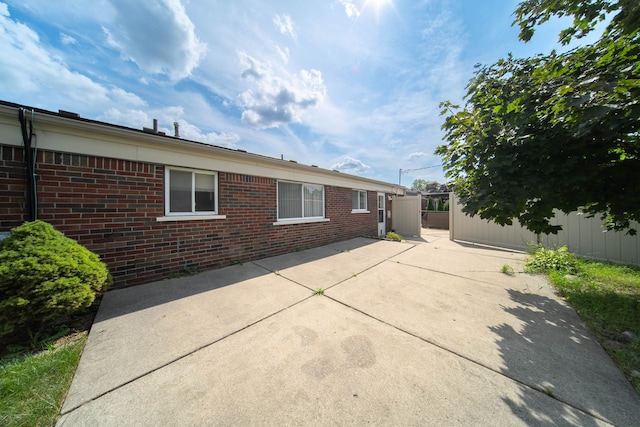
359 200
296 201
190 192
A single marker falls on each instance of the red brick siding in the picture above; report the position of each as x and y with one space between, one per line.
13 202
111 206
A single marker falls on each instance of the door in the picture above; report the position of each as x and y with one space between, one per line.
382 223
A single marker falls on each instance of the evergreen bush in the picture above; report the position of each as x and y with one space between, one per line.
44 277
430 204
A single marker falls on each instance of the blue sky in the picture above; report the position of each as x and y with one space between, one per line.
342 84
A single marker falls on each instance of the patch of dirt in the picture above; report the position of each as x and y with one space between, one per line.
69 339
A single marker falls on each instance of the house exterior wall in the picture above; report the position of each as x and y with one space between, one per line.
111 206
12 186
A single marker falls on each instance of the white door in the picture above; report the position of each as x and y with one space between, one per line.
382 224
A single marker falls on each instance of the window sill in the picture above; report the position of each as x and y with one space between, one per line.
189 217
360 211
300 221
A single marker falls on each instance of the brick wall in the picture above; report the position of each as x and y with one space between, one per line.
111 206
13 202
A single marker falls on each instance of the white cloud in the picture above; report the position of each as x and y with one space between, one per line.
47 74
417 155
138 119
66 39
350 9
109 40
122 97
272 100
284 54
158 36
251 66
285 25
352 166
222 139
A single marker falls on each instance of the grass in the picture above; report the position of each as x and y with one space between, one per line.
606 296
36 370
319 291
508 270
33 387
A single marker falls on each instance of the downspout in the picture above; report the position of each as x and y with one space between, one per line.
30 164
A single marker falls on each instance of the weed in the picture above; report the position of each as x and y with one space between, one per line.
319 291
186 271
393 236
190 271
277 272
236 262
544 260
508 270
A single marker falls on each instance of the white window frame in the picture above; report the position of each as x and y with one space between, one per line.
360 209
302 219
180 216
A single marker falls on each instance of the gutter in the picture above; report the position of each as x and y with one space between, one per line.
30 163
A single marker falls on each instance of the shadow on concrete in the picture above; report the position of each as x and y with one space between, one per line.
421 239
128 300
553 353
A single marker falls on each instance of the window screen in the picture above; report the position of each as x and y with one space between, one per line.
300 200
289 200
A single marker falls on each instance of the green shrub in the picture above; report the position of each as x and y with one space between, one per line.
394 236
545 260
45 277
430 206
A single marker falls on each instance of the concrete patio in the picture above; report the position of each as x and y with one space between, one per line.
423 332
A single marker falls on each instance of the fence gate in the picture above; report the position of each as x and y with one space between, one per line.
406 215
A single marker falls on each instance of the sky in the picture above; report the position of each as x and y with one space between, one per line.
349 85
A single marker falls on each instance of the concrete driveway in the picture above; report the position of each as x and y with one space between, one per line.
426 332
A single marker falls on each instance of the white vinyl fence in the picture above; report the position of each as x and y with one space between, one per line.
583 236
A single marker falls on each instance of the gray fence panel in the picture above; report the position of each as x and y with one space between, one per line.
582 235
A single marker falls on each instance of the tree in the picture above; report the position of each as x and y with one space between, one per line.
430 206
419 185
553 131
429 186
